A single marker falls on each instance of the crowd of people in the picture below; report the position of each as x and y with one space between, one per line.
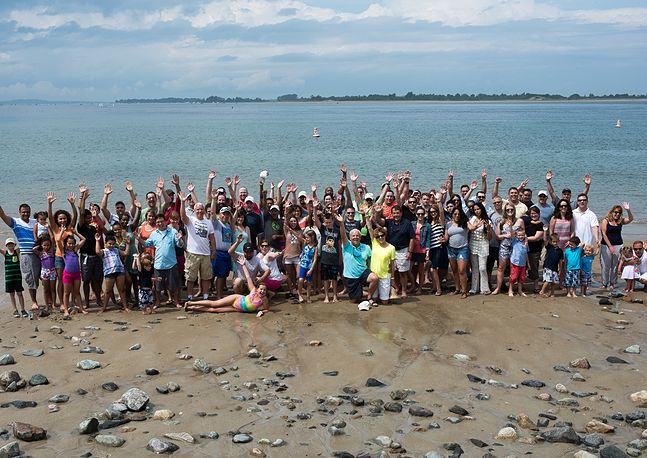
347 242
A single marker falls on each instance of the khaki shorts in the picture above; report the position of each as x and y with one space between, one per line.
197 265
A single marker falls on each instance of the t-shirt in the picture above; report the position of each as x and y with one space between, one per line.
88 232
146 278
531 231
165 243
457 235
24 233
573 257
355 259
307 256
224 235
254 222
643 263
381 259
520 208
519 255
554 255
545 213
255 266
496 219
586 264
198 231
274 227
399 234
584 223
330 245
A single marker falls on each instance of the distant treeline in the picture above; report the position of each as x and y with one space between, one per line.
409 96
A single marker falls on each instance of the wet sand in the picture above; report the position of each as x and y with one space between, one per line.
412 346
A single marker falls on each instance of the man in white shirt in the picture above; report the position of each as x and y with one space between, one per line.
586 222
200 248
639 251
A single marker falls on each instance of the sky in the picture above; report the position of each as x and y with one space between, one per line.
107 50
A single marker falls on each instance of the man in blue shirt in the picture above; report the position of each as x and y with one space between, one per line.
165 239
23 228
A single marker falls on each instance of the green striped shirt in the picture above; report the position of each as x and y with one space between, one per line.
12 267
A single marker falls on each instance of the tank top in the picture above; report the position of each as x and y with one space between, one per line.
72 262
563 230
47 260
146 278
145 233
12 267
418 248
57 237
614 234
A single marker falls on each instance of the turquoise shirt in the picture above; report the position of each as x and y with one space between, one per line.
164 243
355 259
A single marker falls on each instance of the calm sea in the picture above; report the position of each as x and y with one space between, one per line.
54 147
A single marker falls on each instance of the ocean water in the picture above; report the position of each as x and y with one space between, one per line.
54 147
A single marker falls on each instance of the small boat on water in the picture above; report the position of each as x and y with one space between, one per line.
315 133
618 125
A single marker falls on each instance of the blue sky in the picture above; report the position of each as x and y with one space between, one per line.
77 50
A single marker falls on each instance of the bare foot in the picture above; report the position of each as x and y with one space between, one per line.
510 294
326 301
495 292
334 299
524 294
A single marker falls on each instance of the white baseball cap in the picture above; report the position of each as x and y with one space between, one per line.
9 240
249 199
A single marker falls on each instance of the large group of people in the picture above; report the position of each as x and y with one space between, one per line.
348 242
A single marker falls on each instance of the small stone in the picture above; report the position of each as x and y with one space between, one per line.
135 399
183 436
453 420
28 433
633 349
19 404
163 414
110 386
368 352
542 422
525 422
384 441
173 387
475 379
561 388
334 401
35 353
616 360
611 451
161 389
483 397
578 377
135 347
533 383
398 395
152 371
373 382
210 435
59 398
478 443
56 330
568 402
184 356
393 407
278 443
581 363
564 434
334 431
81 392
38 379
461 357
253 353
10 450
201 365
89 426
584 454
593 440
596 426
88 364
110 440
639 444
315 343
220 371
331 373
91 349
458 410
544 397
419 411
242 438
644 434
560 368
632 452
506 433
159 446
6 360
639 396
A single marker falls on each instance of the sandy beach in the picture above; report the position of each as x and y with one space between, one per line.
286 393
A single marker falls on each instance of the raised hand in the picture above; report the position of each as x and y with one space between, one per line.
407 174
71 198
239 239
107 189
212 174
236 180
625 205
400 176
343 167
51 198
587 179
129 186
240 259
498 180
138 204
83 189
160 182
214 193
389 177
549 175
182 196
524 183
377 208
97 236
483 173
280 185
353 176
473 185
343 183
313 187
228 181
175 179
190 187
450 174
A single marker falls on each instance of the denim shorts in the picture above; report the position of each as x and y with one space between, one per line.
460 254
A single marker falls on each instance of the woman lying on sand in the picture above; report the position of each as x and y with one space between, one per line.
255 301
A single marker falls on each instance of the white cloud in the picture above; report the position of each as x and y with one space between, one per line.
4 56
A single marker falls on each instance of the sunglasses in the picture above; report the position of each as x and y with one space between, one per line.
420 214
379 236
563 206
582 200
264 245
509 209
481 197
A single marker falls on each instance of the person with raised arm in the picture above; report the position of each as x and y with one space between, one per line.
91 265
200 247
224 235
513 196
566 192
256 301
57 220
611 230
23 228
356 272
120 206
